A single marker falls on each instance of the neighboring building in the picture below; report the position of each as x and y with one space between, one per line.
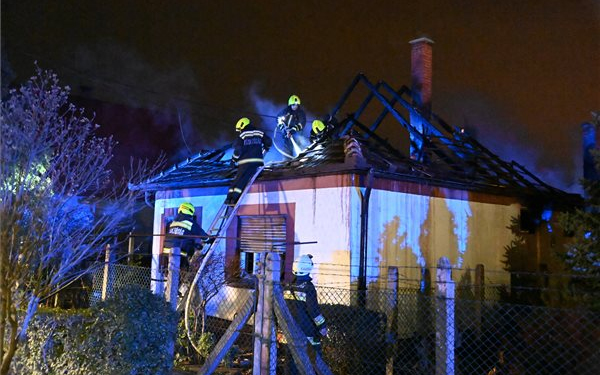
376 211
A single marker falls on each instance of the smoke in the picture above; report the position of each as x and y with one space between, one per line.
117 73
513 140
265 108
527 150
179 123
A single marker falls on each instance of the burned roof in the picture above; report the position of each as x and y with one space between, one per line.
448 156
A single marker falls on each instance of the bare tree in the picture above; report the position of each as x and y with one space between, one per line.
59 203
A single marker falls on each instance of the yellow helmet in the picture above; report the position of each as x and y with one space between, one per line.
186 209
318 126
294 99
242 123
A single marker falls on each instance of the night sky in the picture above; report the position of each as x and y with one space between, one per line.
523 75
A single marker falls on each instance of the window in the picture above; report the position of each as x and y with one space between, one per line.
271 227
258 234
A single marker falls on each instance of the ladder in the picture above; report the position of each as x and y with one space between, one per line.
220 222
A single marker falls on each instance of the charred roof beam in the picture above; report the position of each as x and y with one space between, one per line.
377 138
431 129
346 94
386 103
385 111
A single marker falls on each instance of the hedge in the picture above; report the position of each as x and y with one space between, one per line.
131 333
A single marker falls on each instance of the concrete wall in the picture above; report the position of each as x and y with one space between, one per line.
409 225
411 231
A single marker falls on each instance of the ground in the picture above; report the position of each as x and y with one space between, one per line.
193 370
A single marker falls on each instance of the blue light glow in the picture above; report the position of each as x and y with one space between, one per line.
410 226
461 212
546 216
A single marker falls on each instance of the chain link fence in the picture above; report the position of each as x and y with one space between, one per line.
404 331
395 333
106 279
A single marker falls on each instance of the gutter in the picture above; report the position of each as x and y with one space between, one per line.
147 199
364 229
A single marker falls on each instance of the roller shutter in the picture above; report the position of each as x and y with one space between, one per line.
258 234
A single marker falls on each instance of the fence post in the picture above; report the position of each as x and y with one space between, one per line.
265 349
107 279
444 321
392 321
172 287
158 274
130 248
479 292
424 321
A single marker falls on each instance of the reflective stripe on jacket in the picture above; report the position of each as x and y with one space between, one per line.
301 299
250 146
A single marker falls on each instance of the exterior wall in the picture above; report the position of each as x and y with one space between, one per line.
319 207
411 231
410 225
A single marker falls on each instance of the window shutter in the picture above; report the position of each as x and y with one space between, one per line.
262 233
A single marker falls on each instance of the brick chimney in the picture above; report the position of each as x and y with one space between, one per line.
421 72
421 69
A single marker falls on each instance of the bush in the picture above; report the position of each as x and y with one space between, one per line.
50 334
131 333
185 353
356 337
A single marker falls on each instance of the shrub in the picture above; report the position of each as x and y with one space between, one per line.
356 336
131 333
51 334
185 353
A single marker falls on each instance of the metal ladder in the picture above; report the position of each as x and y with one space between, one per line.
220 222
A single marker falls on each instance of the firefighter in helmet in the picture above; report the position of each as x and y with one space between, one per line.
322 129
184 232
248 150
291 121
301 299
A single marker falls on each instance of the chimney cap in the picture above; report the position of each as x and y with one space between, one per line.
422 39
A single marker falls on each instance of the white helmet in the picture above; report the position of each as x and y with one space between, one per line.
303 265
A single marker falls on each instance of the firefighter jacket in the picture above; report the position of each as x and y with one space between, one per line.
301 299
250 146
290 120
183 225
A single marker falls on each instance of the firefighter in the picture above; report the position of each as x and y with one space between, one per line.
184 224
248 150
322 129
318 131
290 121
301 299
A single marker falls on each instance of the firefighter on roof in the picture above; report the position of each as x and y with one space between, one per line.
301 299
248 150
322 129
290 122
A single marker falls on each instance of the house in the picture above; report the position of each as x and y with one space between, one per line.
371 211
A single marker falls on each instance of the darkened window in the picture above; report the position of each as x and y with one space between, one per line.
259 234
